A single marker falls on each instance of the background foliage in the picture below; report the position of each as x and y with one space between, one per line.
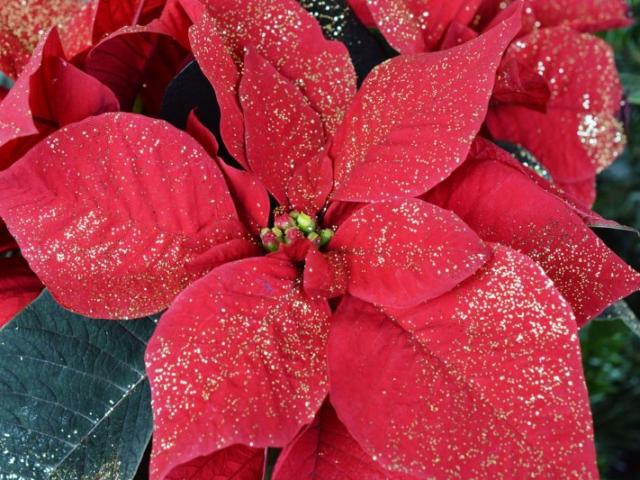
611 350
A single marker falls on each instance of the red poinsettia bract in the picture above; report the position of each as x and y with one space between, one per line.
558 93
579 124
259 371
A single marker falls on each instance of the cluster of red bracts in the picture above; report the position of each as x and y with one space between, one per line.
368 281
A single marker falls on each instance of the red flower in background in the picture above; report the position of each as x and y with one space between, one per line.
558 93
417 275
22 23
412 26
580 124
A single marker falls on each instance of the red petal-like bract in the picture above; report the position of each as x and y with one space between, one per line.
582 15
484 380
311 184
325 275
45 97
177 18
414 26
18 287
239 357
110 211
112 15
361 9
286 36
405 252
325 450
518 83
17 126
142 60
457 34
237 462
249 195
282 131
579 134
219 67
77 32
22 23
414 118
125 60
502 204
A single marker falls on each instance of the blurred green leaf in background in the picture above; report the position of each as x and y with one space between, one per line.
611 349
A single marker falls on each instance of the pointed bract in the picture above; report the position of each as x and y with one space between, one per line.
484 380
134 59
404 252
239 357
282 131
45 98
22 24
311 184
503 204
413 121
111 210
112 15
582 15
294 44
414 26
249 195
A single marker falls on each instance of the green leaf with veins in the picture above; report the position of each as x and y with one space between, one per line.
74 396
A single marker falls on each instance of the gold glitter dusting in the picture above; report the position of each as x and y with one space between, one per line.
110 211
109 470
292 41
238 358
488 377
592 15
514 210
603 129
26 21
414 119
281 130
399 24
586 96
332 15
413 26
403 243
15 115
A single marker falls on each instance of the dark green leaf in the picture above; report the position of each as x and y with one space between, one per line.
74 397
272 458
621 311
631 84
5 82
611 355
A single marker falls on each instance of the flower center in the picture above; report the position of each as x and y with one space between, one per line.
293 226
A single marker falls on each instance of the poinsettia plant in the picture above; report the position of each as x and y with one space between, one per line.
363 230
